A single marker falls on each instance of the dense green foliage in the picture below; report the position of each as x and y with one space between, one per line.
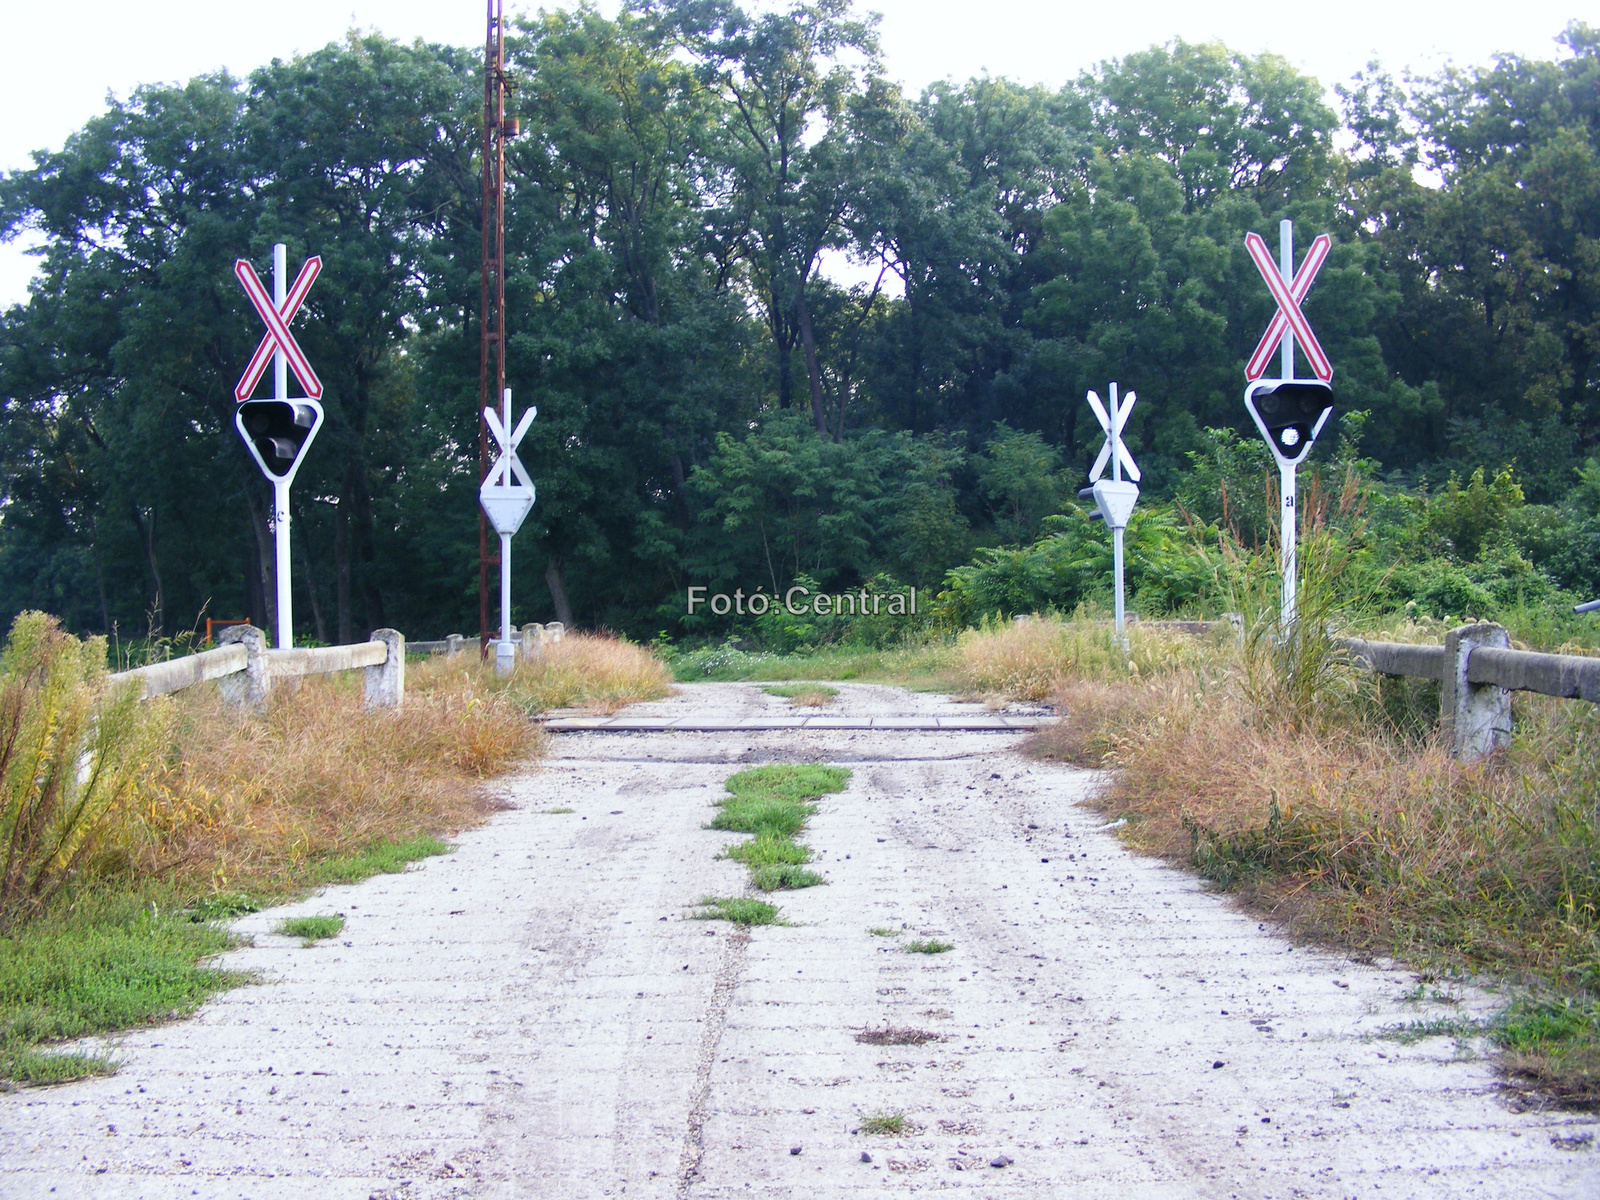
713 409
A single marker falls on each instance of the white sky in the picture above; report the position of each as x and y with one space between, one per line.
56 65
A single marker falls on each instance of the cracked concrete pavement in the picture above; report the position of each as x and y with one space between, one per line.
536 1015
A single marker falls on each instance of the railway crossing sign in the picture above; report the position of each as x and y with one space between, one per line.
1289 412
278 431
507 497
278 339
1114 453
507 493
1289 319
1115 497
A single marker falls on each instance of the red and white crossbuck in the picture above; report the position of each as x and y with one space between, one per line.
1289 316
278 336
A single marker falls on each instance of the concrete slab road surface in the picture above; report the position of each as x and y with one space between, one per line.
535 1015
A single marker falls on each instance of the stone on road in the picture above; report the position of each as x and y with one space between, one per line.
537 1014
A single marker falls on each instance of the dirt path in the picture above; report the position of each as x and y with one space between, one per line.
534 1016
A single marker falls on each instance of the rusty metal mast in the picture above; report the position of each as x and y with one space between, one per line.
492 294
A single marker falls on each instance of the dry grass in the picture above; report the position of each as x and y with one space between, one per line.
1035 658
1356 830
246 802
590 671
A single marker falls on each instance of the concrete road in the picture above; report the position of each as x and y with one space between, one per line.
535 1015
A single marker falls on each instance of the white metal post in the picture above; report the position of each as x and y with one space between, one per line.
1286 474
280 522
505 652
280 487
1116 566
1116 530
1286 269
1291 562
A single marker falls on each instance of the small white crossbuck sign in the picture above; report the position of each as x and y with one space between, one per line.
1113 422
507 493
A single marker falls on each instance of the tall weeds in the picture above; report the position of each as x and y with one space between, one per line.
71 757
244 801
1280 772
596 672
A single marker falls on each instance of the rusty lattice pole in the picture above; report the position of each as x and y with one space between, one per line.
492 295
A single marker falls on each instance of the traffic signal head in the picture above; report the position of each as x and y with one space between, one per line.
278 432
1289 413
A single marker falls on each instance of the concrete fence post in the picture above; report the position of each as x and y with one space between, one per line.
250 687
532 640
1474 718
452 643
386 682
554 631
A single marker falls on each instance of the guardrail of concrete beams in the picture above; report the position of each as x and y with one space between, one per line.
244 668
530 639
1477 671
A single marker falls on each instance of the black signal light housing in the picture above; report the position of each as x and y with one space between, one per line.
1290 413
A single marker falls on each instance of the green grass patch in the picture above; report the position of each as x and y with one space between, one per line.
772 816
883 931
1553 1043
791 781
381 858
741 910
117 958
102 962
774 803
1417 1031
24 1065
929 946
804 695
312 929
885 1124
784 877
768 850
554 812
921 667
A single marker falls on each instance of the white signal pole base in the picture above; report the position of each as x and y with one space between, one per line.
1291 562
280 522
505 650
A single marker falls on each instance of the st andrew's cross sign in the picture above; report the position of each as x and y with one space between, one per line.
278 431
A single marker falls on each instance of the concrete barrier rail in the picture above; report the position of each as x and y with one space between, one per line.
531 640
245 667
1477 671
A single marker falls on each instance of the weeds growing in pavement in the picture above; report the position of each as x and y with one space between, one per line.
929 946
893 1036
312 929
886 1124
741 910
881 931
774 803
804 695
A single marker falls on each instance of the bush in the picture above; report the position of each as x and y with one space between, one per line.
72 757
